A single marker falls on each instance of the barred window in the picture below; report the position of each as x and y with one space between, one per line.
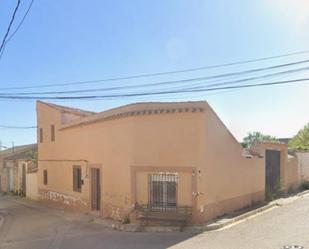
163 190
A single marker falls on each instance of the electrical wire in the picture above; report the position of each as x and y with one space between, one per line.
20 23
9 28
17 127
154 93
156 74
173 82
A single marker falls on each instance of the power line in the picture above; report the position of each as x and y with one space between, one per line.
21 22
17 127
265 76
158 73
190 80
17 28
9 28
93 97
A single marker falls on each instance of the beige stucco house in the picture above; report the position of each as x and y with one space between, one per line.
164 158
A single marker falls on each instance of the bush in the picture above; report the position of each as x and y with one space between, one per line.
126 220
291 191
304 185
275 192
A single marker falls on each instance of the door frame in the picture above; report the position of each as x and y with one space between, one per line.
95 167
271 150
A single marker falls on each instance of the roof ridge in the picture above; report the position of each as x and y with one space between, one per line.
140 108
68 109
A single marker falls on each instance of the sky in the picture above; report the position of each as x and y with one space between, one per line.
64 42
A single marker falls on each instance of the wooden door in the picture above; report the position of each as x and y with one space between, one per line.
95 189
23 186
272 176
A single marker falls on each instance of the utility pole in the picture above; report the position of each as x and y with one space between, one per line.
12 146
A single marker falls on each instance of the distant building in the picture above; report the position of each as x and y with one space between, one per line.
284 140
14 166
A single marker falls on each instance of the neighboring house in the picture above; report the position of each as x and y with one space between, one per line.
14 163
281 168
165 158
284 140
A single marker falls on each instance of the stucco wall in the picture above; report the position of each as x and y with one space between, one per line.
214 176
303 160
227 180
32 186
3 174
116 146
289 170
292 177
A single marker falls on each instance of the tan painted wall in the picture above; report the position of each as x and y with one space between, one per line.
192 143
228 180
289 171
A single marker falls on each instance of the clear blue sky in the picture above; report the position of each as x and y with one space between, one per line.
66 40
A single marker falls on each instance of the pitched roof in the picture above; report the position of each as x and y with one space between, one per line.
11 153
68 109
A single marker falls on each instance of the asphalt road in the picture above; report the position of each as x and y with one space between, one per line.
38 227
285 225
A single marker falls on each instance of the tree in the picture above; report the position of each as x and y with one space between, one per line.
256 136
301 140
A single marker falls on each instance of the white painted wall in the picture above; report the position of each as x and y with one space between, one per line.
32 185
303 160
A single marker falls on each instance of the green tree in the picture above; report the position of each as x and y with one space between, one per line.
301 140
256 136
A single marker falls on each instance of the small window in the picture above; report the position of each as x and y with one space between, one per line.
77 178
52 132
45 177
41 135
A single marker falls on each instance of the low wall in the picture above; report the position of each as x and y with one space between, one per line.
291 174
303 161
32 186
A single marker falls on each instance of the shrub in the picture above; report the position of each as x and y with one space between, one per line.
291 191
126 220
304 185
275 192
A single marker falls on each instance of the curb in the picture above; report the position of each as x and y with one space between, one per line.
303 193
277 203
220 224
